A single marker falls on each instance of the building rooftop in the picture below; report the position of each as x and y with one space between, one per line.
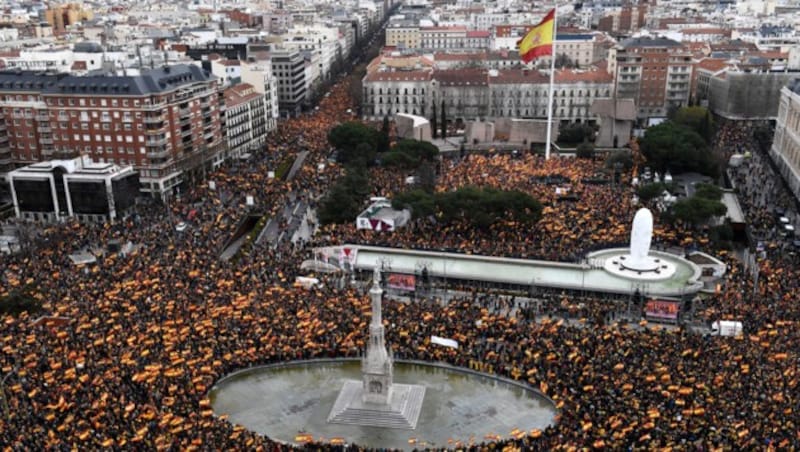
239 94
398 76
153 81
462 77
646 41
34 81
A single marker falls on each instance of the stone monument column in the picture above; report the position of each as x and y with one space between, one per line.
377 366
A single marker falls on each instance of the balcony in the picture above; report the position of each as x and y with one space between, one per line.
184 121
3 139
44 128
43 117
160 154
186 133
154 131
185 112
153 119
159 141
46 140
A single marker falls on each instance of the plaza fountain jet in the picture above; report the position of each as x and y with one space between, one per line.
377 401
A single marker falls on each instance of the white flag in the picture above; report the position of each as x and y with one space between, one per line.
443 341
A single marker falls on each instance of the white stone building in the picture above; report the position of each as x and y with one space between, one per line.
259 75
785 149
245 119
479 93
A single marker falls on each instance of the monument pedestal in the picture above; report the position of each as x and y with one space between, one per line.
376 401
402 411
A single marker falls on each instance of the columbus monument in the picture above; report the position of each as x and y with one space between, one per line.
376 401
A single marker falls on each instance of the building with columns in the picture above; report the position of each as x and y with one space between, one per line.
785 149
477 93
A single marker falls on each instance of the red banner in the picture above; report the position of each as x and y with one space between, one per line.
401 282
662 309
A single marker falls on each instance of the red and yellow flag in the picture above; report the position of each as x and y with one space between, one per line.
539 40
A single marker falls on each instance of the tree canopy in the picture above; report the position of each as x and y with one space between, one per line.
584 150
575 133
671 146
697 119
347 137
410 154
702 206
481 207
344 201
620 156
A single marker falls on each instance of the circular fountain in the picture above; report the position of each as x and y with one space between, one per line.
638 264
284 400
377 402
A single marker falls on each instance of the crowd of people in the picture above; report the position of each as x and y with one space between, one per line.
578 215
132 345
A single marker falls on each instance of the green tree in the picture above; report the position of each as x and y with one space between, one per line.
650 191
697 210
421 203
426 175
708 191
444 123
670 146
575 133
383 139
585 150
20 300
410 154
344 201
434 131
620 156
697 119
480 207
347 137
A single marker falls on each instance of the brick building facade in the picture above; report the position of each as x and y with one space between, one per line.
165 122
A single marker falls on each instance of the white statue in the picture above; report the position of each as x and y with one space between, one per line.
641 236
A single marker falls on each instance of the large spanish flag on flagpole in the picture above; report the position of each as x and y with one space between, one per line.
539 40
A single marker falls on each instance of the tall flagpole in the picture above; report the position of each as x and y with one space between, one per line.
552 80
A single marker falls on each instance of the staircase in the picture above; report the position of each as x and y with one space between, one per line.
402 413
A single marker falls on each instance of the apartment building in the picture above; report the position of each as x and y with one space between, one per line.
623 21
403 35
165 122
289 68
245 119
785 149
655 72
259 75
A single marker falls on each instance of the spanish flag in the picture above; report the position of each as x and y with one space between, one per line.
539 40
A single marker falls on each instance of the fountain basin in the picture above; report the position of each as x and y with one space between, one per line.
285 399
